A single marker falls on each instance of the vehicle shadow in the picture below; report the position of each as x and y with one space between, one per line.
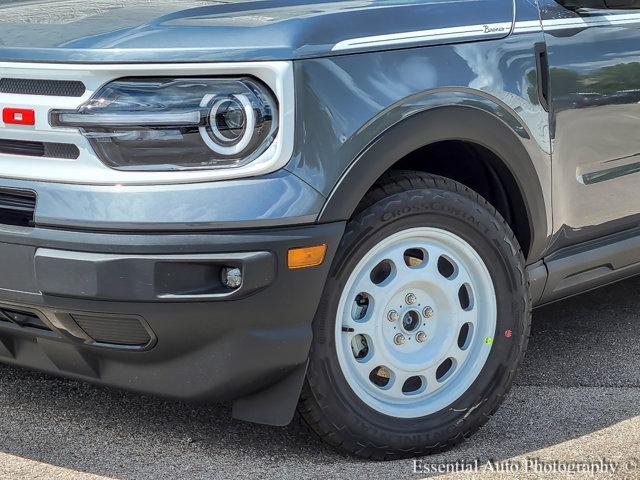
582 375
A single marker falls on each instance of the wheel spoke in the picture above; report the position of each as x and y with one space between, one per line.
396 389
354 327
430 378
397 257
365 368
450 289
455 353
446 254
432 264
466 316
461 356
378 359
367 286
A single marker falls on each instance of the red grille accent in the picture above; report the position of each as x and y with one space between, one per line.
19 116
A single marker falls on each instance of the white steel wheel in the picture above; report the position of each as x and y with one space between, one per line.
415 322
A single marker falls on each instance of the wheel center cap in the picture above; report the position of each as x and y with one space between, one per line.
411 321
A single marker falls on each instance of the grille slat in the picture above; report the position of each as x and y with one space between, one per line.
17 207
16 147
51 88
66 151
22 319
114 330
16 203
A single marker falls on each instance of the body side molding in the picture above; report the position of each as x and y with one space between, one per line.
474 32
596 263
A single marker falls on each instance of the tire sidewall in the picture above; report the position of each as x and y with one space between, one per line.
487 235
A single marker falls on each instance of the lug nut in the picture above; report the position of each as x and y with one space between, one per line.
427 312
410 299
421 337
399 339
393 316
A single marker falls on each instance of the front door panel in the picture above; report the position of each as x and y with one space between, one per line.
594 60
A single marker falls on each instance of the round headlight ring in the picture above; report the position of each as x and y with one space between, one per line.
228 120
217 144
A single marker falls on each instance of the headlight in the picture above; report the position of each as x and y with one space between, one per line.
177 123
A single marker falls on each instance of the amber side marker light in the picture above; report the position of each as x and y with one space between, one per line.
306 256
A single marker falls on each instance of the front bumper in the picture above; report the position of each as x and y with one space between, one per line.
96 294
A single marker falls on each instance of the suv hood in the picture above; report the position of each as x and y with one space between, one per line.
82 31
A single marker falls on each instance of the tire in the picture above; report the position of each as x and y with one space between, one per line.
372 419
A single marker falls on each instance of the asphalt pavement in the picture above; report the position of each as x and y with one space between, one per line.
577 399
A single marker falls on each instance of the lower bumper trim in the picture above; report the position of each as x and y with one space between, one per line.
238 346
146 278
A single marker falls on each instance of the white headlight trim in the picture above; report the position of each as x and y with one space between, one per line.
88 169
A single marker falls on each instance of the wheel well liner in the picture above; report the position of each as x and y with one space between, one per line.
447 123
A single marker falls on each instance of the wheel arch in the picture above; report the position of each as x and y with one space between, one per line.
502 135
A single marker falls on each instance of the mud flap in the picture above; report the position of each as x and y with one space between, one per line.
274 405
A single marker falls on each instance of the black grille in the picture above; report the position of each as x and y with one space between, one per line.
61 150
53 88
22 319
114 330
17 207
39 149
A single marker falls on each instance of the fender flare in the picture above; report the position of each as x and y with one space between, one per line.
450 122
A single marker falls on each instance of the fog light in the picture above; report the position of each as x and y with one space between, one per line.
231 277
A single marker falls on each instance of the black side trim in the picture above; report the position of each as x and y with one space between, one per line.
593 264
542 68
39 149
51 88
537 281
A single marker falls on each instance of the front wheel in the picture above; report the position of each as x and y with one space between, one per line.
423 321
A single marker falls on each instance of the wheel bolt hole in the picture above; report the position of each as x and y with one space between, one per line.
382 272
445 370
361 306
413 385
414 257
464 336
447 267
465 297
360 347
380 376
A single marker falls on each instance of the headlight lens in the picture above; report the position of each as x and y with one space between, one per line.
177 123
